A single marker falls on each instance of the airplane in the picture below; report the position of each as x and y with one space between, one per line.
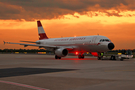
63 46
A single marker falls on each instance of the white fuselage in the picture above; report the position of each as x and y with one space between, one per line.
95 43
62 46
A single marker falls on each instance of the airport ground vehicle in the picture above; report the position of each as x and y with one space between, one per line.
122 54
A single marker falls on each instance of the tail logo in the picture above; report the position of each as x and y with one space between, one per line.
41 32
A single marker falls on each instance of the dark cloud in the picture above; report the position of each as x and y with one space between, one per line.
7 11
113 14
48 9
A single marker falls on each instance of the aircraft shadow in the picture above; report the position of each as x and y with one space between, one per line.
9 72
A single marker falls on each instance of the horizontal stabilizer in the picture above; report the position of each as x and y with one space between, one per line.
31 42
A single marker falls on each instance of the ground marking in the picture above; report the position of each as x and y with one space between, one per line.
23 85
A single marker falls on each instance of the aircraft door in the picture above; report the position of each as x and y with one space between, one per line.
94 40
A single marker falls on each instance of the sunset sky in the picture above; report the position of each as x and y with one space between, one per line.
114 19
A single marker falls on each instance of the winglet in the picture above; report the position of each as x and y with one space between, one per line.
4 42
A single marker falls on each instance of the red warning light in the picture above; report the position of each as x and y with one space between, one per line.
76 53
94 54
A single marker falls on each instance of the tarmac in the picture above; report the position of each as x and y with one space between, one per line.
43 72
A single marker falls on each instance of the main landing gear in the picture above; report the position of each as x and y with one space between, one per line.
57 57
100 56
81 56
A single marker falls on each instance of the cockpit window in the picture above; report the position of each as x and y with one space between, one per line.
104 40
107 40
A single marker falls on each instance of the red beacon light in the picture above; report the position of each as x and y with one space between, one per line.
76 53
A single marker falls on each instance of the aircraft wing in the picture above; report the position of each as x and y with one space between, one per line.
25 45
42 45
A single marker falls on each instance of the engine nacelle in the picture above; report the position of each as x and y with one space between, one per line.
61 52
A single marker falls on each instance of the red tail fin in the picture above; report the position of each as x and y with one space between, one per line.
41 32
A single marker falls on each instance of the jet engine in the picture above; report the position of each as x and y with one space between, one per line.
61 52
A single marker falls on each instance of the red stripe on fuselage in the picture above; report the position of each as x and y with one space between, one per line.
42 36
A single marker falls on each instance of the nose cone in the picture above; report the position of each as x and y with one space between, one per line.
111 46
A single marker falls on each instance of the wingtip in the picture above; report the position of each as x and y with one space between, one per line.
4 42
